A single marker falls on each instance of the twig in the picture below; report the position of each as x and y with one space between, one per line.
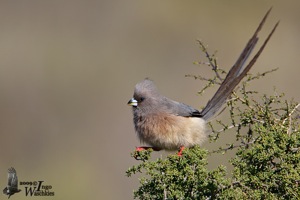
233 147
211 60
291 113
204 79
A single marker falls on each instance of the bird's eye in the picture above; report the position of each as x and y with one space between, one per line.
142 99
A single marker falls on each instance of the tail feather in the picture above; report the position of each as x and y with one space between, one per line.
237 72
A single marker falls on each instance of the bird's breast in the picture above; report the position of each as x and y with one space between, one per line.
167 131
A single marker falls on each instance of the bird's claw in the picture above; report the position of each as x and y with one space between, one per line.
138 155
146 148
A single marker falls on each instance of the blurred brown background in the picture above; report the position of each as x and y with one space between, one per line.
68 68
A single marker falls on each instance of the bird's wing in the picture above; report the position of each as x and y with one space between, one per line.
236 73
180 109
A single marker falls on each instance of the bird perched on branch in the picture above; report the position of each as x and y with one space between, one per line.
12 185
165 124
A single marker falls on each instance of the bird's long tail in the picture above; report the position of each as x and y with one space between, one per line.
236 73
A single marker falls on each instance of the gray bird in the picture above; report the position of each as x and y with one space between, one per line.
166 124
12 186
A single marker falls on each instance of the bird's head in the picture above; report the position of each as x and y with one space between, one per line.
145 95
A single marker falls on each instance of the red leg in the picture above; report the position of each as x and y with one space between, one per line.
145 148
180 151
138 149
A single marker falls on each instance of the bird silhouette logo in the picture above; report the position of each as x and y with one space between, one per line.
12 185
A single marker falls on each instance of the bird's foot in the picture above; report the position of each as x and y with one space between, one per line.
141 153
146 148
180 151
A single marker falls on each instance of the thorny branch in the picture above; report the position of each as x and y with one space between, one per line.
212 60
232 146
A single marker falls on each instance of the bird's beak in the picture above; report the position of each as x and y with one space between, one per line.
132 102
